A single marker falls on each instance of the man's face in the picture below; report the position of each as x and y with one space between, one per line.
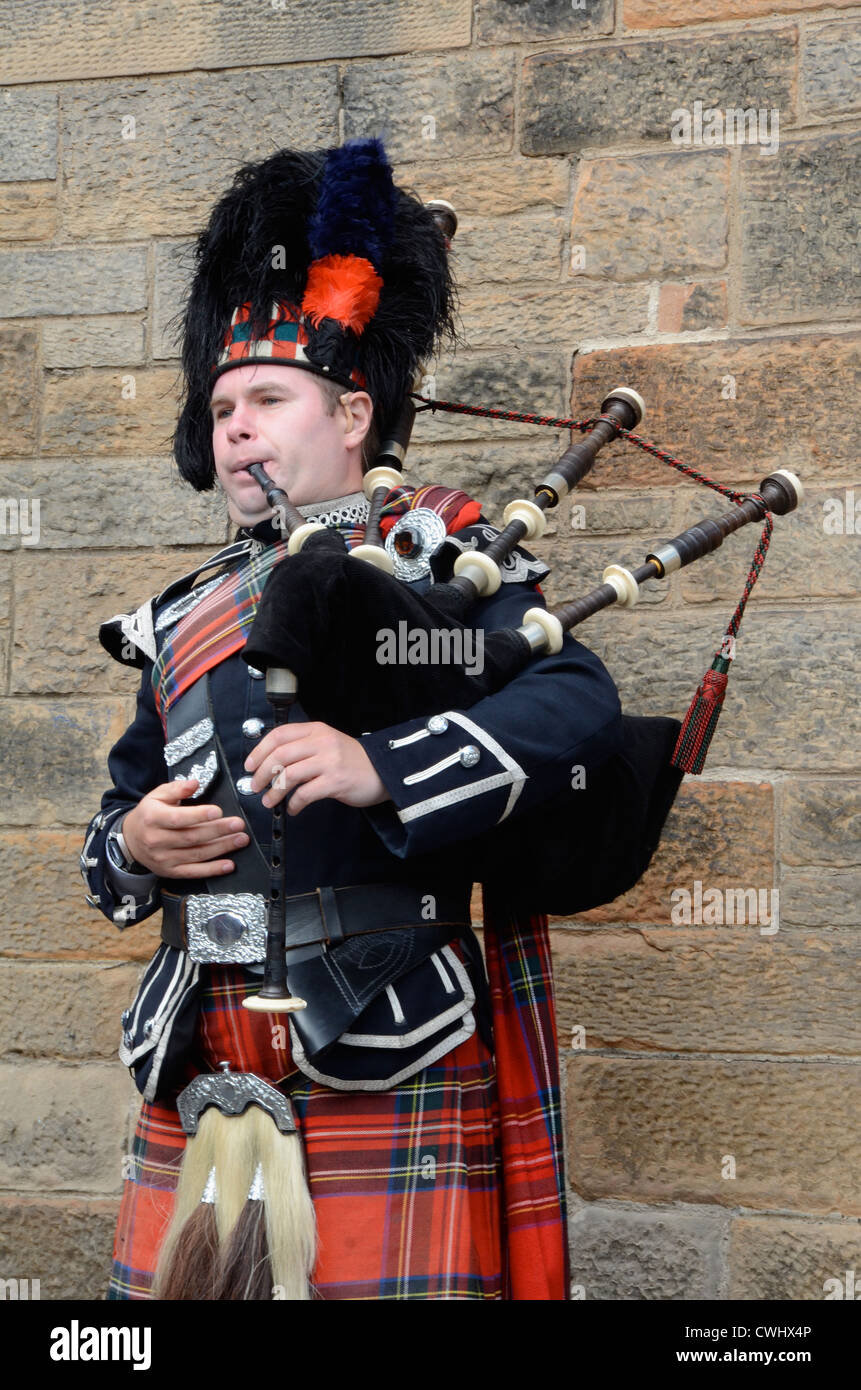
274 414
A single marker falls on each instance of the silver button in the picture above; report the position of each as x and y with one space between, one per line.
128 1039
255 674
243 786
469 755
126 1018
437 724
148 1027
252 728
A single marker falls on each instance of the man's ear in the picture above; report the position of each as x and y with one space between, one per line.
358 408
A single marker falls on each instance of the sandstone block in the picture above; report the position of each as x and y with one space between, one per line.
90 280
662 14
554 316
821 821
64 1242
708 989
776 1257
678 1129
83 504
145 157
107 341
28 131
62 1126
74 661
490 186
18 347
463 109
735 409
652 215
818 897
106 40
798 219
617 1253
831 68
792 672
28 211
109 412
501 21
54 770
83 1015
618 94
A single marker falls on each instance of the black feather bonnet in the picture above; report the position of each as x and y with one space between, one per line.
295 233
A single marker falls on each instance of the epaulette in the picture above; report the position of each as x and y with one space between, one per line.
520 567
130 637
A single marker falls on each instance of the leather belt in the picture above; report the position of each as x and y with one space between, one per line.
330 915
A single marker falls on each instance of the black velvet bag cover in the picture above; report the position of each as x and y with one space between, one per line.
320 615
585 847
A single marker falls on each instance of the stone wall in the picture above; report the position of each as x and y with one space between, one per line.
711 1071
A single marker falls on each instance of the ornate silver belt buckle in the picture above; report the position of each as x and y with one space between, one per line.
226 928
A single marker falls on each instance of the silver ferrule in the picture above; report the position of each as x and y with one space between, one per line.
667 557
557 483
535 636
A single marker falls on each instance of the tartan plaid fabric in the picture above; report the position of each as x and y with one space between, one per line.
220 623
519 968
284 340
484 1219
405 1182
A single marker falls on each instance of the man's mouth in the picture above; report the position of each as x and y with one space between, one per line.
243 467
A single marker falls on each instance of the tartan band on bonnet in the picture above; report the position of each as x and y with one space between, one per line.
284 340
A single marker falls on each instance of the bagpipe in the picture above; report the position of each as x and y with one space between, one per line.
315 634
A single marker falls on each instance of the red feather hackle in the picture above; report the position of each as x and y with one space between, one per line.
344 288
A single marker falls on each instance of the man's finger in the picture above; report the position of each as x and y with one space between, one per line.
287 778
176 790
205 870
315 790
282 735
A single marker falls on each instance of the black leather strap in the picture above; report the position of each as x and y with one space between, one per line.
251 871
330 915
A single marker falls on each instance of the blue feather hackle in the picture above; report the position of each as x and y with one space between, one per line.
355 213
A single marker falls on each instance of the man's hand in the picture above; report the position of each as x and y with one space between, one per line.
181 841
313 761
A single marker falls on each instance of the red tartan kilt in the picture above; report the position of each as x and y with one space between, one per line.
406 1182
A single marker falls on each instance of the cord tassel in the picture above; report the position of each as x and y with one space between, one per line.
700 722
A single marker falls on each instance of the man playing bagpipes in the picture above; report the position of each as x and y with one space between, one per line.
341 1098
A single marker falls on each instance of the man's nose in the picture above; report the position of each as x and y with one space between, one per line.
241 422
